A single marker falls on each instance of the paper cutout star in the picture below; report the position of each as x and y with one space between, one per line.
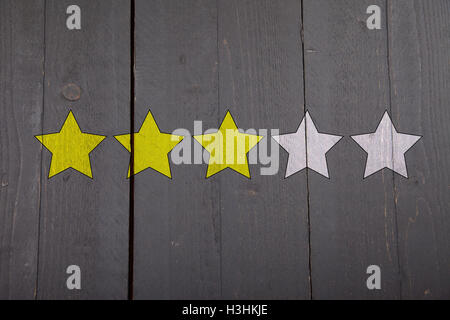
151 147
228 148
70 148
386 148
307 148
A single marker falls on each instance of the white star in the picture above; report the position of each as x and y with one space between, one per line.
307 148
386 148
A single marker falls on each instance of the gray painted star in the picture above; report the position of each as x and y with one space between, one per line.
386 148
307 148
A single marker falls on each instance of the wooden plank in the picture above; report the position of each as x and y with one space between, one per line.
264 219
21 83
420 69
347 92
84 221
177 226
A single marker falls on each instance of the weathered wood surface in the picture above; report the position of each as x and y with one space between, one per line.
420 75
21 107
347 92
84 221
177 222
263 220
226 237
205 242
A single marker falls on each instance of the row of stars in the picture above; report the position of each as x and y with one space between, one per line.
307 147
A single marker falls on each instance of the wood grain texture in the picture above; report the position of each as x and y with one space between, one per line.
420 76
226 237
85 221
21 82
347 92
264 219
177 226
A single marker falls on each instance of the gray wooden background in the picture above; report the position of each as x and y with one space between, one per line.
226 237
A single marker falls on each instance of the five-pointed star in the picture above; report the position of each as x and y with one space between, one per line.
70 148
228 148
151 147
307 148
386 148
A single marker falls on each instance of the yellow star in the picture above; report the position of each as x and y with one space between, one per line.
150 147
228 148
70 148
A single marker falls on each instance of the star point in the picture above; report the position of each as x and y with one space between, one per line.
70 148
386 148
151 147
